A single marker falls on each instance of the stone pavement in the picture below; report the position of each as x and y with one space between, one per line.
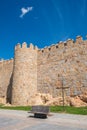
22 120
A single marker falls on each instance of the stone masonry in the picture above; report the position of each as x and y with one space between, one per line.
48 70
24 74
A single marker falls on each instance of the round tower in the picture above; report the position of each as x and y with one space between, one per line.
24 74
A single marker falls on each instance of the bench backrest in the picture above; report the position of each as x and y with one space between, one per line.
42 109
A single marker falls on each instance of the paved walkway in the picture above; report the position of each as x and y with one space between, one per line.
21 120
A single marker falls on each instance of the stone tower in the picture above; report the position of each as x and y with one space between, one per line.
24 74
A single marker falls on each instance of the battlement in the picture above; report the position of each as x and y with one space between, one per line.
62 45
6 61
25 46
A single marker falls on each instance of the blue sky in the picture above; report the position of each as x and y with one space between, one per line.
41 22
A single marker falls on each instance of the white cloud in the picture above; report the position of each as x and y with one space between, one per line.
25 11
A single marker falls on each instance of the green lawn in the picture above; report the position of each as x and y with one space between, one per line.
69 109
56 109
24 108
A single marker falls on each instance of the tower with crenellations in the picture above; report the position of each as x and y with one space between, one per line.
24 74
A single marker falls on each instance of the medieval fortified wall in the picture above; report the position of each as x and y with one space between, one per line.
47 70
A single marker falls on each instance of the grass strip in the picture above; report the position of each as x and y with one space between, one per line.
56 109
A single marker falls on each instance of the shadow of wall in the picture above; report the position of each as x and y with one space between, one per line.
9 91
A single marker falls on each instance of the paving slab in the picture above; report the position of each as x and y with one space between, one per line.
22 120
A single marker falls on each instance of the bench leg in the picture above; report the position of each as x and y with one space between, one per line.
40 115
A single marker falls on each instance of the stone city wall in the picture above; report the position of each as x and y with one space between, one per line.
6 69
63 65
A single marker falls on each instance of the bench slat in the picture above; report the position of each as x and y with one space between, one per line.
40 109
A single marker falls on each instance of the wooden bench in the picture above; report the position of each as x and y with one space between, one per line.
40 111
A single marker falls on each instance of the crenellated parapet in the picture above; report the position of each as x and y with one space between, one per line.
6 61
63 45
24 46
60 45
